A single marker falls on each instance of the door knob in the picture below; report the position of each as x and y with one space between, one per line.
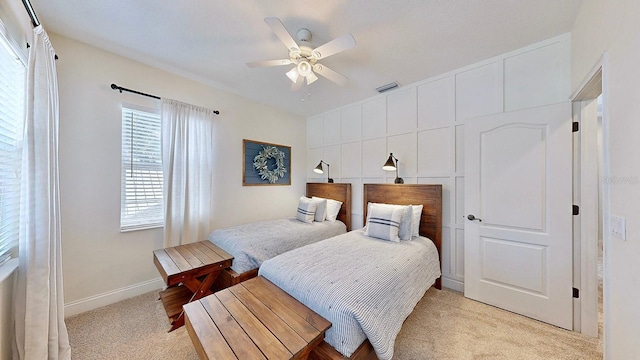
472 217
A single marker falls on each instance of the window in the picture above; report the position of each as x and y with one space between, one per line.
12 104
141 194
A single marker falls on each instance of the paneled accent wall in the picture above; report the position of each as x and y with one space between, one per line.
422 124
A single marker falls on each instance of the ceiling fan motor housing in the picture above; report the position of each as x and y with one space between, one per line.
304 35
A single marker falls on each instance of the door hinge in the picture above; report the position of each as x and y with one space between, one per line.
576 293
576 126
576 210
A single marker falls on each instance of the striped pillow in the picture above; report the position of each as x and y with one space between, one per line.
406 223
383 221
306 210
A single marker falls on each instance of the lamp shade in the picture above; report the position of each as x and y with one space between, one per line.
318 169
389 165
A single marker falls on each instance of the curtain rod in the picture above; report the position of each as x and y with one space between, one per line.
31 12
121 89
34 18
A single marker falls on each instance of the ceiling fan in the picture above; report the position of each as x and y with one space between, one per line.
305 58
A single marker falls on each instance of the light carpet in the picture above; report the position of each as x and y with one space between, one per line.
444 325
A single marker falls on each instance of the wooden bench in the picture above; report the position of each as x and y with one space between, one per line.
253 320
189 271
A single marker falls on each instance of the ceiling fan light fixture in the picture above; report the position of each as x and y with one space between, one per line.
293 75
311 78
304 68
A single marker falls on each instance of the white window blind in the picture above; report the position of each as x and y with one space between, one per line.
12 106
141 195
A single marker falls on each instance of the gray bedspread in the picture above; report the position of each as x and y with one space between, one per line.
251 244
364 286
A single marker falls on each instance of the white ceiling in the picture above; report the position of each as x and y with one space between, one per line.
400 40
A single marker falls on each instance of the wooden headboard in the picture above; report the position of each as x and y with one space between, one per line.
335 191
430 196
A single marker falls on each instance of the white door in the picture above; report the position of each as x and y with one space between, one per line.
518 184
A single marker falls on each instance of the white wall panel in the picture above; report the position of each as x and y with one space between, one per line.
446 259
315 131
459 152
374 118
374 155
402 111
538 77
447 192
351 118
313 158
436 103
332 130
459 202
479 91
352 160
357 208
333 156
459 255
403 147
435 151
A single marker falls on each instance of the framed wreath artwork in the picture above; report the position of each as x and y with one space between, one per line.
265 163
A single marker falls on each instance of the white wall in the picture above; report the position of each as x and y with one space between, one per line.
422 124
102 265
612 27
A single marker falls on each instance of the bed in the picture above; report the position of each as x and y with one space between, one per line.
365 287
251 244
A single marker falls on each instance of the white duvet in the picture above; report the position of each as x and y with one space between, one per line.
365 287
251 244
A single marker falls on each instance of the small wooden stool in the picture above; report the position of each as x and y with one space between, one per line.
189 271
253 320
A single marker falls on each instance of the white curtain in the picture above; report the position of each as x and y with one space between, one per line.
187 158
40 331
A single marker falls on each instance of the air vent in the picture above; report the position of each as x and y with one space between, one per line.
387 87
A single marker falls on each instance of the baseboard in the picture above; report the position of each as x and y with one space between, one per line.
94 302
453 284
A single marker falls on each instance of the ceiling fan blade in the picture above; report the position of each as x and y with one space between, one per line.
269 63
330 74
281 32
344 42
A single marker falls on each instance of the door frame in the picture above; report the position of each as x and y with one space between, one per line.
586 179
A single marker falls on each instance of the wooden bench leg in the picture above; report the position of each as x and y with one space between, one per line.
201 291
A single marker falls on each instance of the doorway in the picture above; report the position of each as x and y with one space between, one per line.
590 195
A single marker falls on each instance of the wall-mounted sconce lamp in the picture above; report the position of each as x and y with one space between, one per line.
391 166
319 170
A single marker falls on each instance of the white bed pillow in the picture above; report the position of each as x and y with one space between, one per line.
415 223
384 221
332 209
306 210
406 222
321 208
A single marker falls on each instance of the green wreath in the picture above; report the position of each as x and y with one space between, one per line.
260 163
